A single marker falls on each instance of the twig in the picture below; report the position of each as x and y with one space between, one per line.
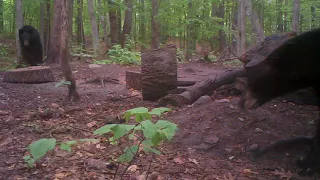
150 166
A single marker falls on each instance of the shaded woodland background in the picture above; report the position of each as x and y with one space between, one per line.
221 27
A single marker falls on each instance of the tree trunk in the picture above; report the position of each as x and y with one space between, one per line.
19 24
257 28
80 30
127 25
41 28
155 26
202 88
70 21
241 40
142 27
47 28
64 51
29 75
295 15
279 16
119 22
222 35
113 23
158 72
94 29
190 31
313 17
103 23
1 17
53 56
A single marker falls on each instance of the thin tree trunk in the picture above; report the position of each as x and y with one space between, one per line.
42 21
47 28
241 40
222 35
279 16
94 29
54 48
113 23
257 28
127 25
142 27
103 23
1 17
119 22
155 26
295 15
19 24
64 51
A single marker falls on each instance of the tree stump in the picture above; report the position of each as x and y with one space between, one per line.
133 80
30 75
158 72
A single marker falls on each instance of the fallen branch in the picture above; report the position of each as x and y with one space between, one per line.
202 88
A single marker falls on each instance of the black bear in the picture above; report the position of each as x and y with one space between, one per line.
31 46
292 66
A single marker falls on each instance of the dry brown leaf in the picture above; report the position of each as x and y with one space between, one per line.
91 124
178 160
249 171
133 168
193 160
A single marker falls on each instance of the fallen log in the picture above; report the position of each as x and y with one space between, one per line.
201 88
30 75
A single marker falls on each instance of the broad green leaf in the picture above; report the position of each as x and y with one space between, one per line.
39 148
169 129
120 130
158 137
159 111
148 129
149 149
128 154
66 147
104 129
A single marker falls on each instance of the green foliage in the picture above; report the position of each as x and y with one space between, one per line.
180 56
148 133
120 55
38 149
153 133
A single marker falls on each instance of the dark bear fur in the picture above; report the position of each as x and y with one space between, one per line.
294 65
31 46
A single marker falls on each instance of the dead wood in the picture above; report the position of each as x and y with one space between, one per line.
31 75
201 88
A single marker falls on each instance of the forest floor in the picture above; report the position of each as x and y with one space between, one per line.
211 142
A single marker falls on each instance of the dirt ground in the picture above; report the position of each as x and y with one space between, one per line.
211 142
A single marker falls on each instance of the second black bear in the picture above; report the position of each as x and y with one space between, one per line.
31 46
292 66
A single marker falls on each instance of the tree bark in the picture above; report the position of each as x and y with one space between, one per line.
64 51
113 23
47 28
30 75
42 21
257 28
127 25
19 24
222 35
1 17
103 23
279 16
94 29
53 56
241 40
155 26
295 15
70 21
158 72
202 88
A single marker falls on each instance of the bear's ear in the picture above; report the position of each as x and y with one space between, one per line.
20 31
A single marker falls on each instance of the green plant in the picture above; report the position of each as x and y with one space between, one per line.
148 133
3 50
180 56
149 136
63 83
121 56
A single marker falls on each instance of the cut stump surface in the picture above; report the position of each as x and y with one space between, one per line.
30 75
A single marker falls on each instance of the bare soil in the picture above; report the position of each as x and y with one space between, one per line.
211 143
